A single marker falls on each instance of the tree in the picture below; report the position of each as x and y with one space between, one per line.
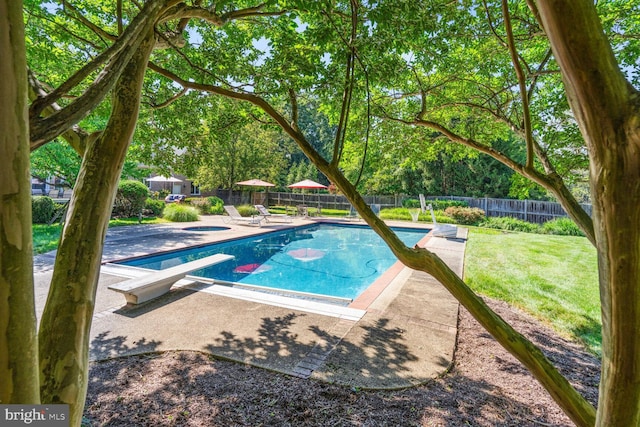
111 61
18 341
362 60
612 154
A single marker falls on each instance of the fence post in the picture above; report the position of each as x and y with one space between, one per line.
526 210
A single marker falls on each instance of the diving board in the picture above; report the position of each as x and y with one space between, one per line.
154 284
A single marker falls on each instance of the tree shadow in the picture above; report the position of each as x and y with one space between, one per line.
190 388
103 347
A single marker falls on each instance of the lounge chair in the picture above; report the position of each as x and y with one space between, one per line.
268 216
236 218
442 230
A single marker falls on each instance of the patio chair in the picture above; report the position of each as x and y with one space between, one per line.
236 218
264 213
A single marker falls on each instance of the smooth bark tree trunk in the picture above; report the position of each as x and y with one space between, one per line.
66 321
18 341
607 109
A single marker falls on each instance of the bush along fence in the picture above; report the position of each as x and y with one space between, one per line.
533 211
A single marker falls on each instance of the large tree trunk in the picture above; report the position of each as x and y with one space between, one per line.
608 112
66 321
18 343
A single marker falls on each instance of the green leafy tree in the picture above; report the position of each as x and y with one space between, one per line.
469 75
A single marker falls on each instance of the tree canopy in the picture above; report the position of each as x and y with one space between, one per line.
543 87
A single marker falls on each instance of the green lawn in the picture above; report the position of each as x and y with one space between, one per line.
555 278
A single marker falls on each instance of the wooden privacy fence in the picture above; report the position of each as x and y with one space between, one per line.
533 211
323 200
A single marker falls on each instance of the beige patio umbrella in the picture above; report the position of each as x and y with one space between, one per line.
255 183
160 178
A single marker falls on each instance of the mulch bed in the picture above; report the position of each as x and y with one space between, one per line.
486 386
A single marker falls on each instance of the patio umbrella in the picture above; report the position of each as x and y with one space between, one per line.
255 183
307 184
160 178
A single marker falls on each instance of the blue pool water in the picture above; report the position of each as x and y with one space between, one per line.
335 260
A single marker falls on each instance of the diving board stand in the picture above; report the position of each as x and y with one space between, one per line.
156 283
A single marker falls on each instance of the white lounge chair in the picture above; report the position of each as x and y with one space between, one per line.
236 218
442 230
264 213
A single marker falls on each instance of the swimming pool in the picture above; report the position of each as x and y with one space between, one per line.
327 259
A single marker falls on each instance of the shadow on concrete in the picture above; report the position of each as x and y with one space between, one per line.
134 310
103 346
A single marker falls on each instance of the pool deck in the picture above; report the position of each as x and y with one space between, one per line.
401 333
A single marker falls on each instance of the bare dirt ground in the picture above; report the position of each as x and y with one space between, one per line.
485 387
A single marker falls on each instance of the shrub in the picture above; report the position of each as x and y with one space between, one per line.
177 212
404 215
202 204
247 210
466 216
42 209
130 199
216 205
410 203
562 226
510 223
154 207
441 205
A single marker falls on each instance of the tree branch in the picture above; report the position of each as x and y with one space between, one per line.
46 129
528 135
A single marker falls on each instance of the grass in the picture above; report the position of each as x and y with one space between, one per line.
45 237
554 278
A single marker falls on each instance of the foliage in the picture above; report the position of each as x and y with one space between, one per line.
201 203
441 205
130 199
446 71
156 207
247 210
411 203
216 205
403 214
499 265
178 212
562 226
510 223
462 215
42 209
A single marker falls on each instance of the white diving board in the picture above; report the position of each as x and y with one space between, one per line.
152 285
